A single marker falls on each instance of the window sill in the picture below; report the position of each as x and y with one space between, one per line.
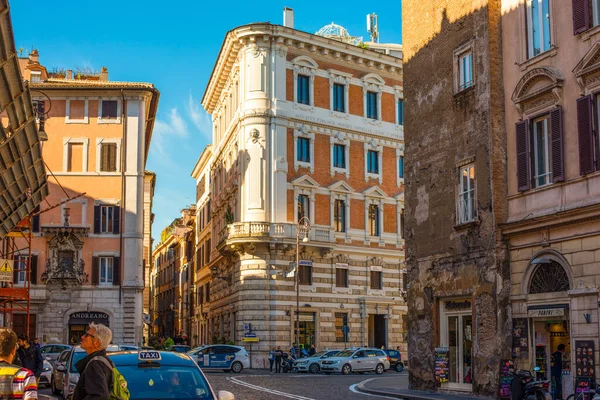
77 121
375 292
466 225
344 171
109 121
373 121
464 91
308 288
339 114
345 290
534 60
370 175
305 107
590 33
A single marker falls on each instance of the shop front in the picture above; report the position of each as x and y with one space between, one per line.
80 320
456 338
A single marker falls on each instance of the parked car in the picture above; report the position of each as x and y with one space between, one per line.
64 375
179 348
46 374
164 375
222 356
357 360
311 364
396 363
51 351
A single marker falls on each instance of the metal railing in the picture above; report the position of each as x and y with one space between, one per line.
275 230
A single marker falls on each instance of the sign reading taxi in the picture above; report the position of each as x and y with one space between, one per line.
6 270
149 356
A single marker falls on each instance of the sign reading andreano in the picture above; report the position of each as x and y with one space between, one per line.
89 315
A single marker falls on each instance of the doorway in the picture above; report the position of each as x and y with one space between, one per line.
377 330
457 335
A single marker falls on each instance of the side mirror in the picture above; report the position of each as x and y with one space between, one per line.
61 368
224 395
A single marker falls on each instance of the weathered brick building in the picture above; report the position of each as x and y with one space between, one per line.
455 192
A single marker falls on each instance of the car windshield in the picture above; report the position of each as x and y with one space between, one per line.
77 355
331 354
345 353
166 382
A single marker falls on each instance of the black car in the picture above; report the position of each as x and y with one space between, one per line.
395 360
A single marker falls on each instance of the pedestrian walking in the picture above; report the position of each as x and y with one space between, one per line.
15 382
312 350
556 370
293 351
30 356
96 378
278 357
271 359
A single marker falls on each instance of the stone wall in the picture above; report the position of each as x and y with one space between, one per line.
445 129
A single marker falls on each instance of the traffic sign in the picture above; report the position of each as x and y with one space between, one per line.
345 329
6 270
250 337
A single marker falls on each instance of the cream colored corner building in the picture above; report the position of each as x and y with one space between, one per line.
302 126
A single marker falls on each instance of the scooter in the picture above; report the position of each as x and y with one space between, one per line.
523 387
287 363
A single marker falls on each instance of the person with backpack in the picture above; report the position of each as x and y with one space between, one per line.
15 382
97 373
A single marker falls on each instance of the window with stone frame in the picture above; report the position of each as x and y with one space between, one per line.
305 274
339 215
374 220
341 275
376 279
108 157
538 27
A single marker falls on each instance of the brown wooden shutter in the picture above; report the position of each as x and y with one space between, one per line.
585 134
112 162
33 267
116 270
97 216
556 133
116 219
581 16
104 157
523 159
95 271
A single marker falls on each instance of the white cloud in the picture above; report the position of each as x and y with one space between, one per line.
199 116
165 130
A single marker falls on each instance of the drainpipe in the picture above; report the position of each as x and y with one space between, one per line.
363 310
123 186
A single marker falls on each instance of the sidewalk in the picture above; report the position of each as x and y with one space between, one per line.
397 388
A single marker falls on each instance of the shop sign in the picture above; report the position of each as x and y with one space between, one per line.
546 312
442 364
89 315
453 305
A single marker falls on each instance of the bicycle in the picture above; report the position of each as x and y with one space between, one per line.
586 395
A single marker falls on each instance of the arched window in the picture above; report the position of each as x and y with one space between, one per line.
548 277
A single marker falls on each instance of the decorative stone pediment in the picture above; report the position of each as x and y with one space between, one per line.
538 89
400 197
375 191
65 266
306 181
304 61
341 186
587 71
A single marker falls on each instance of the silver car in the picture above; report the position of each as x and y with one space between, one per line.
357 360
46 374
64 375
51 351
311 364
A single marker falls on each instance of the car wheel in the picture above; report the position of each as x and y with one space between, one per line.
346 369
53 387
237 367
314 368
379 369
399 367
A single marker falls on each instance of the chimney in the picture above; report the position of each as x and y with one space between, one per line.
104 74
288 17
34 56
69 74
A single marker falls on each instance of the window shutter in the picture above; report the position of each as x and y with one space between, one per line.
116 270
97 219
581 16
95 271
112 157
586 135
523 179
35 222
116 219
556 133
33 267
103 157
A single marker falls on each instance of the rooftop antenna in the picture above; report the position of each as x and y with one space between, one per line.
373 27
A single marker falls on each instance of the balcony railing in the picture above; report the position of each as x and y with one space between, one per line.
265 230
465 210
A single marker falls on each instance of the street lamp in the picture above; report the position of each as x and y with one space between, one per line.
303 228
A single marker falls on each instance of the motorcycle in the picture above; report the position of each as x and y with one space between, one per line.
287 363
523 387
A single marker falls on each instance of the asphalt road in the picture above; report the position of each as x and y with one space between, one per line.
261 385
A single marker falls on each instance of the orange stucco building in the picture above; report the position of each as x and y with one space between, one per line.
90 252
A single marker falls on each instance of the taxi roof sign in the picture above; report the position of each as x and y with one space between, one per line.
149 355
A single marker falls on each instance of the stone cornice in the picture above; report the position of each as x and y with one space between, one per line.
284 37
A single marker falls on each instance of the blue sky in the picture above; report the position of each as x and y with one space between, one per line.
173 45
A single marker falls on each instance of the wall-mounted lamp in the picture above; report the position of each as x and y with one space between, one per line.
341 305
66 214
588 318
215 274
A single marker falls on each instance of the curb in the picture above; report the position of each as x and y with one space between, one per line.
361 388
